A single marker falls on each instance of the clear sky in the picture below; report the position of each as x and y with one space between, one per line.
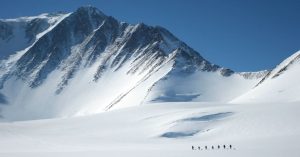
244 35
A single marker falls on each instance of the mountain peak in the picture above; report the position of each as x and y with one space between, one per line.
99 51
90 10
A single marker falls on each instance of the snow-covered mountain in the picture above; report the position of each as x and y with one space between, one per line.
279 85
18 34
169 99
56 65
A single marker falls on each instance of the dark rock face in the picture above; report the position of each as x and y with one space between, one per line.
51 49
104 36
34 27
95 36
190 61
227 72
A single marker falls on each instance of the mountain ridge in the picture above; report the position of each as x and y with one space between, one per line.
114 64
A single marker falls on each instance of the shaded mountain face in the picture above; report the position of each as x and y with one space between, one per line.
86 62
18 34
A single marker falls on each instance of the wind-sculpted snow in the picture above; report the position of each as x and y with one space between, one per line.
178 134
193 125
173 97
210 117
261 130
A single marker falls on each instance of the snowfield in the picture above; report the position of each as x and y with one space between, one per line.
85 84
252 129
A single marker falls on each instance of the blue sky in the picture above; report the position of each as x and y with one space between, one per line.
244 35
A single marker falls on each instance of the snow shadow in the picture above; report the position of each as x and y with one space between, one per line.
173 97
192 125
178 134
210 117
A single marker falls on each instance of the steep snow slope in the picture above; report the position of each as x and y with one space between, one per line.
170 129
200 86
279 85
86 62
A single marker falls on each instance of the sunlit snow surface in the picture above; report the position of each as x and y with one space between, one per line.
280 85
253 130
145 93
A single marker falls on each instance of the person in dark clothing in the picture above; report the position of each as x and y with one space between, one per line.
199 148
218 146
206 147
230 146
224 146
212 147
192 147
